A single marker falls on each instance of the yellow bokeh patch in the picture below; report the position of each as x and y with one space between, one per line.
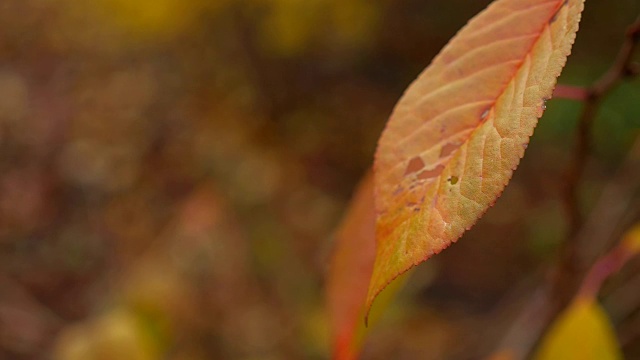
583 332
152 18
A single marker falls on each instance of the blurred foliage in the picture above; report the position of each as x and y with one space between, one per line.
289 27
172 171
582 332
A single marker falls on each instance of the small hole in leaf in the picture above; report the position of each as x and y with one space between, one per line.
453 180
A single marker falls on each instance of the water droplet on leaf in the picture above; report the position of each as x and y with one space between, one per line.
485 114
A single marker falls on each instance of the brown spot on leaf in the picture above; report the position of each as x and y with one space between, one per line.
428 174
447 149
416 164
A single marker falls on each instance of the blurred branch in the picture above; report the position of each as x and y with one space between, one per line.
585 239
607 219
257 67
630 332
604 225
606 266
569 269
26 324
521 337
624 301
570 92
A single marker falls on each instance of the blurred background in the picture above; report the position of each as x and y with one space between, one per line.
172 173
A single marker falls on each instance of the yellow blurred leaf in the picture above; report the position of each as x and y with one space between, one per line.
583 332
289 25
153 18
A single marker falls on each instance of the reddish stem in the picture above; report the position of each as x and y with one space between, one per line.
571 92
602 269
568 270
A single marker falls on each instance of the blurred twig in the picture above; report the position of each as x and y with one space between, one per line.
258 69
570 92
585 239
605 223
521 337
624 301
26 324
569 268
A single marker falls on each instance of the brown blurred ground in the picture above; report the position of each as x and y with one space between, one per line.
171 173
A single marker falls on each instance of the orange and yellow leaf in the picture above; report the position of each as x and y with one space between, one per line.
350 271
456 136
351 267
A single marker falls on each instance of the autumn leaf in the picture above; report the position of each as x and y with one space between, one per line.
460 130
583 332
351 267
